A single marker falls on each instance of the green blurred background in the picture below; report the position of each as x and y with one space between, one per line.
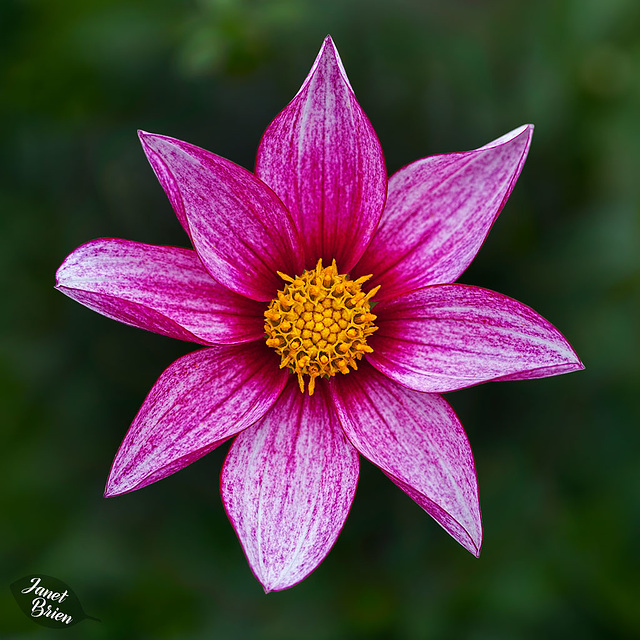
557 459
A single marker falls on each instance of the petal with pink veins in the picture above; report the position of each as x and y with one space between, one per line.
160 289
168 182
287 485
200 401
448 337
418 441
241 230
324 160
438 213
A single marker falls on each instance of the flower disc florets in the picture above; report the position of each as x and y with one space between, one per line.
319 323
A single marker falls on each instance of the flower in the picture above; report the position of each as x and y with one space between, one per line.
325 298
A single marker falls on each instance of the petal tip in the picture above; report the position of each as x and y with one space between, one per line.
477 545
526 129
327 45
278 584
116 486
573 362
110 492
157 144
143 135
472 540
148 139
523 132
329 56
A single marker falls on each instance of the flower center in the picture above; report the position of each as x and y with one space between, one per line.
320 322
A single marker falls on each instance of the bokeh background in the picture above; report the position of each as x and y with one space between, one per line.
558 459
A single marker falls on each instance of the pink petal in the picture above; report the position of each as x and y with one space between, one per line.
418 441
240 229
287 485
323 158
439 211
167 181
448 337
200 401
161 289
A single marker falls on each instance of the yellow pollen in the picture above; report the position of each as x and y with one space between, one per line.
319 323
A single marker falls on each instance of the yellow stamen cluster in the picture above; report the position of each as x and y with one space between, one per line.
319 323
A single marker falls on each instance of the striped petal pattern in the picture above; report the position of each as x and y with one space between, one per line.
200 401
323 158
439 211
160 289
453 336
242 232
418 441
287 485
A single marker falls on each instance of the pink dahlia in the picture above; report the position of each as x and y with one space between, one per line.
313 266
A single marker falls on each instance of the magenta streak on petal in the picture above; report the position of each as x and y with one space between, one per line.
168 183
242 232
453 336
418 441
200 401
324 160
287 485
161 289
438 213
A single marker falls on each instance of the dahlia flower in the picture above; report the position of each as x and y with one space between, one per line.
325 298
